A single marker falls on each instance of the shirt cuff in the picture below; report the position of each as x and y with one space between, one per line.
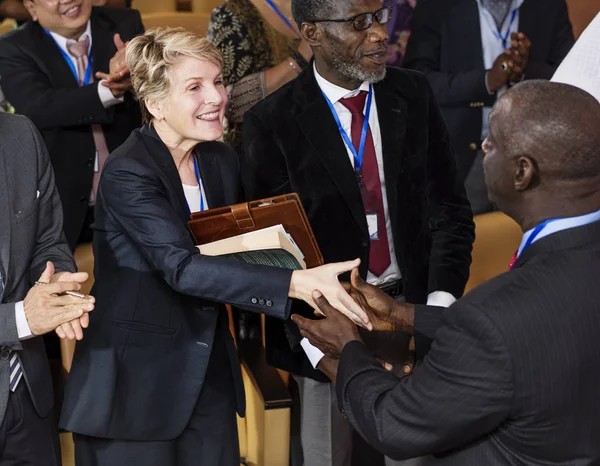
23 330
106 96
313 353
440 298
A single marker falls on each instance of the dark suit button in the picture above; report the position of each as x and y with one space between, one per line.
473 146
261 302
343 413
364 244
254 300
90 162
83 199
4 354
269 303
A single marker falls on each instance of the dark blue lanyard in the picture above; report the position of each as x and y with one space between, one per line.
281 15
504 38
88 72
202 206
358 157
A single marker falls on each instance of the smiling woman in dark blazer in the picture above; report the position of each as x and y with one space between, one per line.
156 380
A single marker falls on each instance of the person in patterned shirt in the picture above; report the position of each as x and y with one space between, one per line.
262 51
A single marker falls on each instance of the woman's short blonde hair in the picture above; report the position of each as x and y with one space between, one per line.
151 56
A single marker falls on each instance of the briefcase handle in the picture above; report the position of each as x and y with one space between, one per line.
241 214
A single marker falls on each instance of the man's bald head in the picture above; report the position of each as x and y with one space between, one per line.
557 125
543 152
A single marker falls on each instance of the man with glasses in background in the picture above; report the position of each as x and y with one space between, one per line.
366 149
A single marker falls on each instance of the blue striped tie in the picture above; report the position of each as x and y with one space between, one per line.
16 370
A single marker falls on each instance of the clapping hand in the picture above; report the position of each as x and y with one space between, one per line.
74 329
518 55
47 305
118 79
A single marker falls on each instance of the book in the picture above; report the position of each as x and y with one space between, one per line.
268 246
211 226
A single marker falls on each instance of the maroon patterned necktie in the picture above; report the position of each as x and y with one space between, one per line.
370 186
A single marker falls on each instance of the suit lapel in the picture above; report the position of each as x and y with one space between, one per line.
54 61
210 173
103 48
5 221
528 17
317 124
163 158
465 21
392 113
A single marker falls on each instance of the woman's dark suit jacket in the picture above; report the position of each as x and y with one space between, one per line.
139 370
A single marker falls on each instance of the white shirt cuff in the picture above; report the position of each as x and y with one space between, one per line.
313 353
440 298
106 96
23 330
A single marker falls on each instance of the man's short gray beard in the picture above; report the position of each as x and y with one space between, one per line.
353 71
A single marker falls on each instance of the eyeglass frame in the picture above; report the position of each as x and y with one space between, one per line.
354 18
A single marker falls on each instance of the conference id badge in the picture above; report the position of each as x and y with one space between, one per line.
372 224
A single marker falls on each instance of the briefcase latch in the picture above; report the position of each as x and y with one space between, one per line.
241 213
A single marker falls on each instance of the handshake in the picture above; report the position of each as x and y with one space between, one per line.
332 333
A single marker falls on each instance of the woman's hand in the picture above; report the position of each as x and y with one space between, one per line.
325 279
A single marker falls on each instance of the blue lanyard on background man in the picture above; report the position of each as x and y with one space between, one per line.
358 156
282 16
88 72
504 38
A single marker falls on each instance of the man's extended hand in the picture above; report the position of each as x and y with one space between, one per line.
385 313
74 329
47 307
331 334
325 278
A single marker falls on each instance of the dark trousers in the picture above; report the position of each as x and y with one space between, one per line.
210 438
26 439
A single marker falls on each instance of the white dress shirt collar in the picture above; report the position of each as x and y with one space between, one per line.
63 41
560 225
334 92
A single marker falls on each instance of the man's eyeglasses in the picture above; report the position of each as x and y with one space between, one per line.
364 20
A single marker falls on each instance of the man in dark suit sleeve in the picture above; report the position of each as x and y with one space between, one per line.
459 46
512 375
32 249
39 77
293 144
